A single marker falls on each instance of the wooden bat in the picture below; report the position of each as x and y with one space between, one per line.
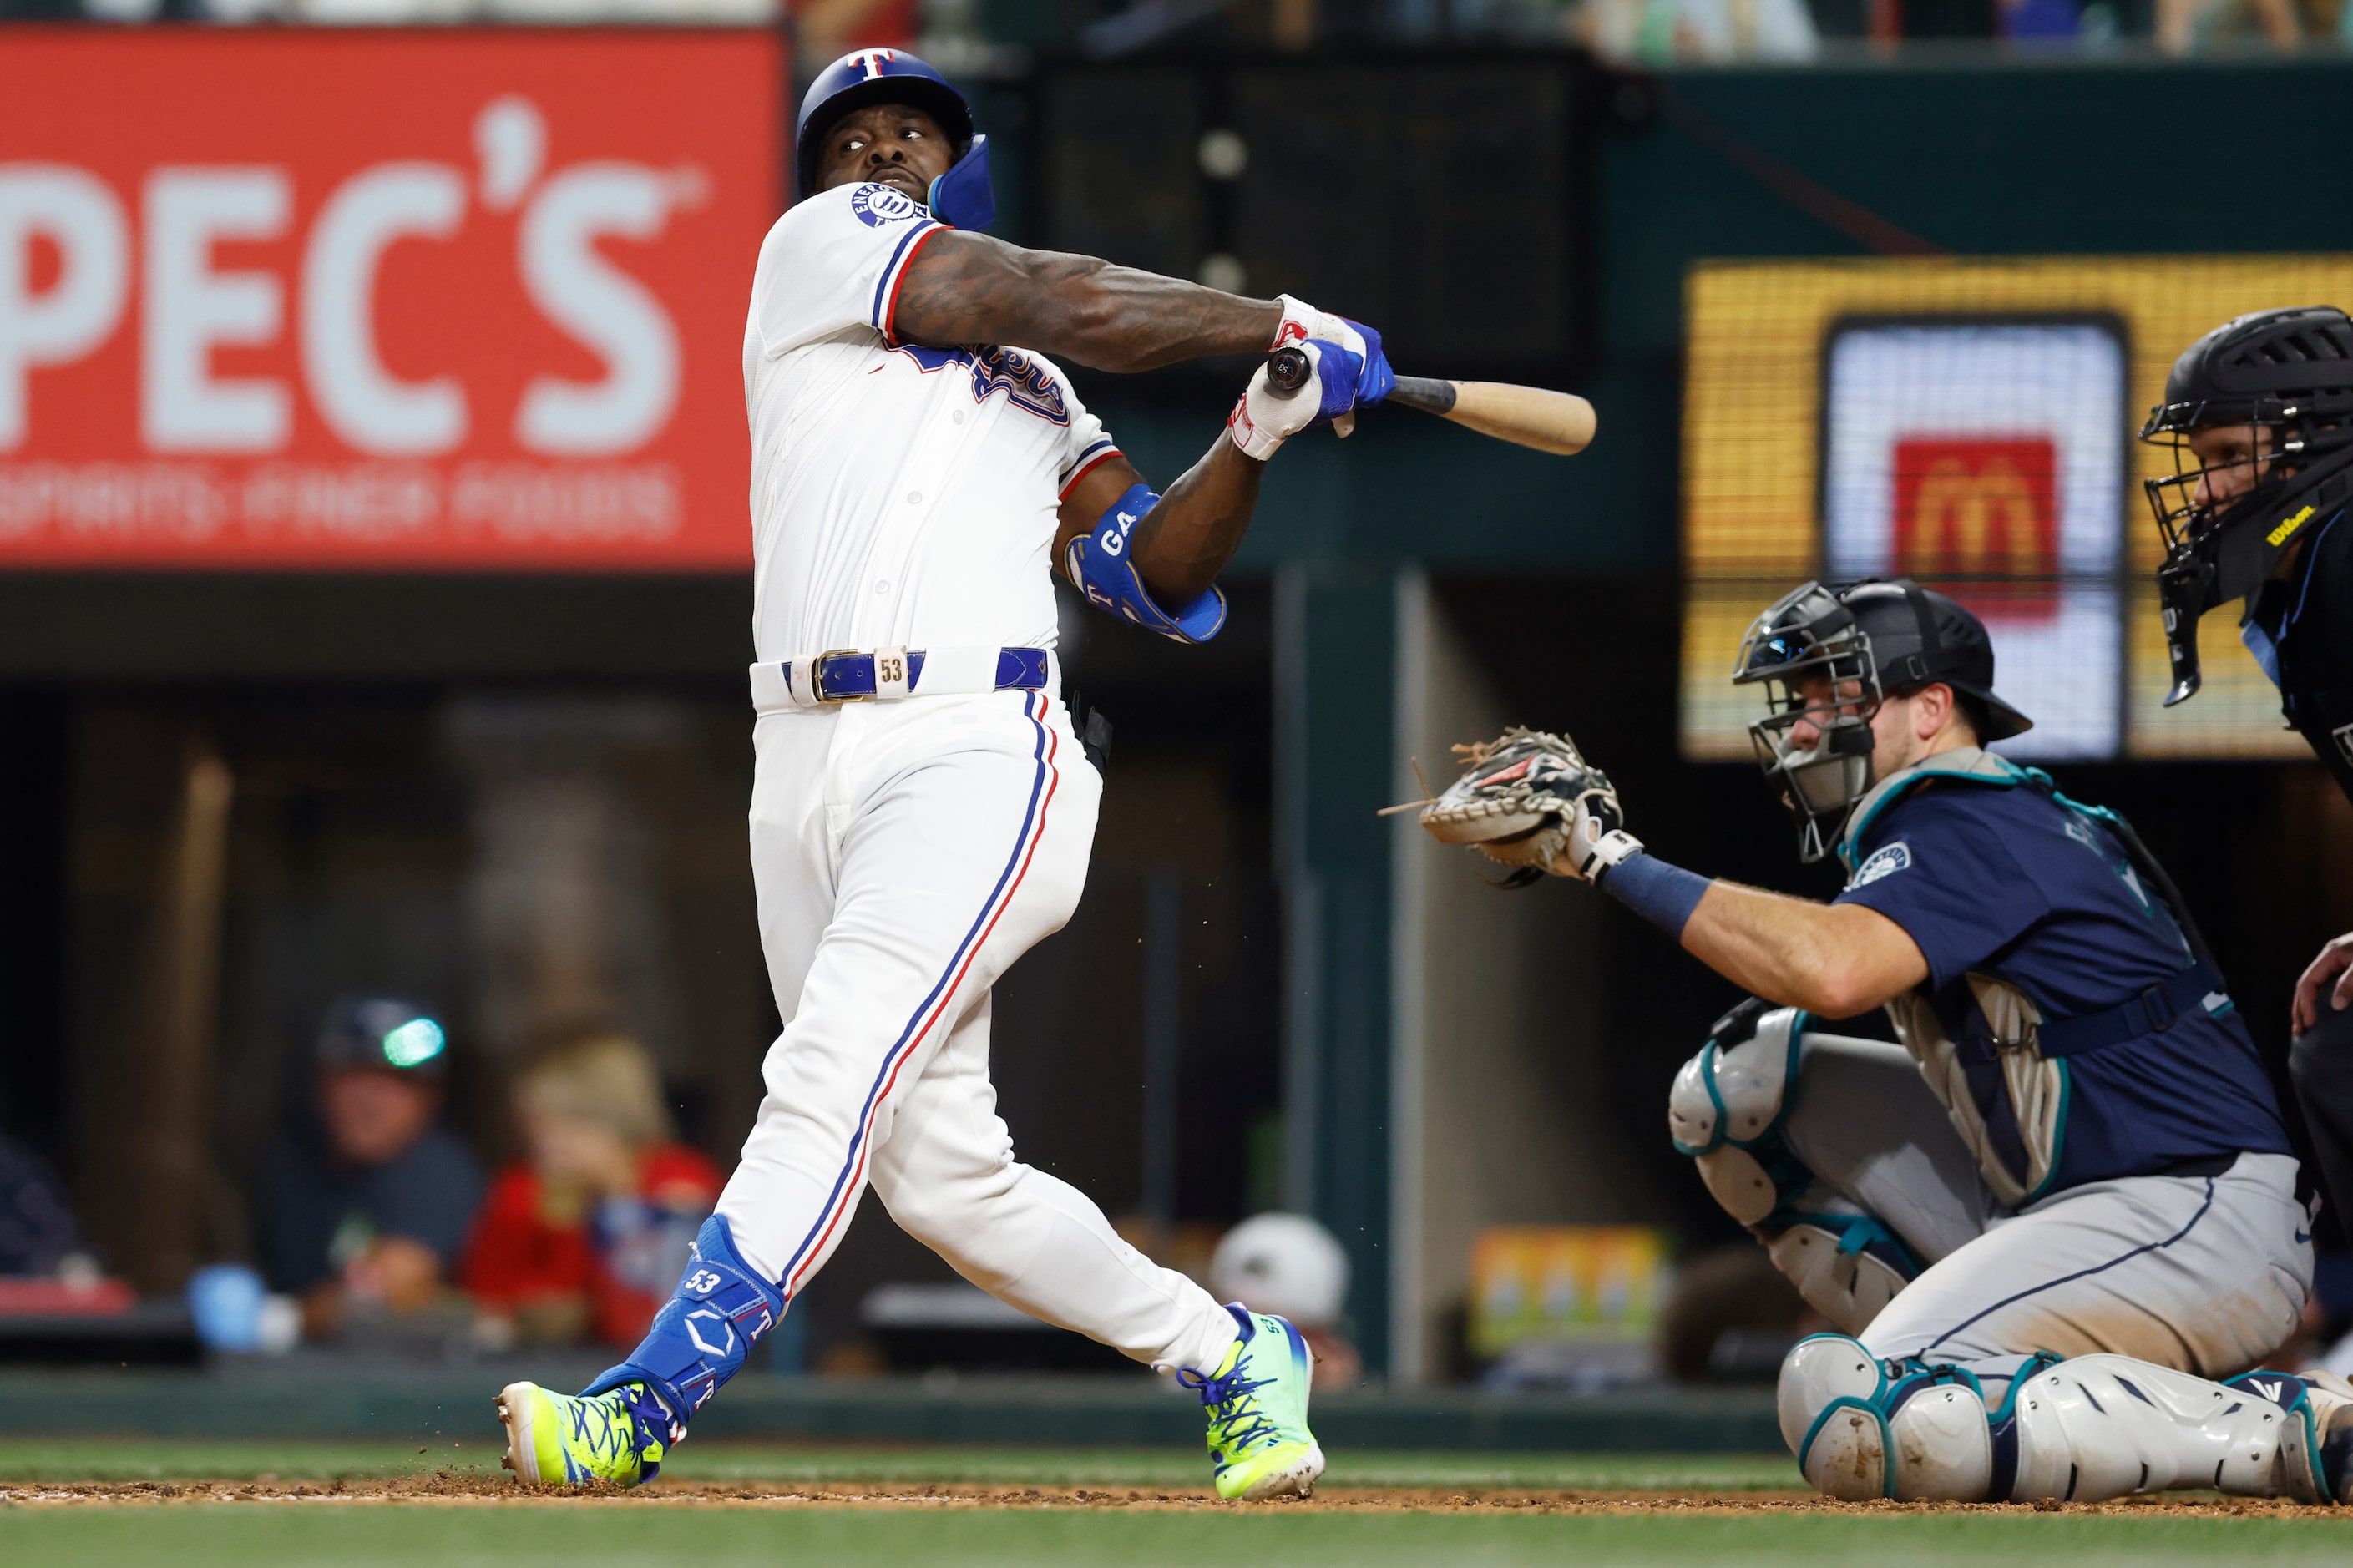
1558 422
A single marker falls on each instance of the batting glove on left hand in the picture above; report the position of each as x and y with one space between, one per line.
1267 416
1372 378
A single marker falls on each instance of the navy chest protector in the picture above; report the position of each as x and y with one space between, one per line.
2151 1010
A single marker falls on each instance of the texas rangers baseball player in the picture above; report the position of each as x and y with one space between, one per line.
921 812
2066 1203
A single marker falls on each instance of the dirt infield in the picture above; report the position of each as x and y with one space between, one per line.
475 1488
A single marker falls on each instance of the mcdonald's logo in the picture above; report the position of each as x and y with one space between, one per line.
1983 509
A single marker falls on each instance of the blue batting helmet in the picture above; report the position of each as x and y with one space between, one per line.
875 76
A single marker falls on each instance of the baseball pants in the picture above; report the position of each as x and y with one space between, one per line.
2321 1062
904 854
2206 1274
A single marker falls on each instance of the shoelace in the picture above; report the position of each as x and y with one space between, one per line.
609 1437
623 1430
1228 1400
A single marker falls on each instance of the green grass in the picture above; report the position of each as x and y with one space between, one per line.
718 1538
98 1459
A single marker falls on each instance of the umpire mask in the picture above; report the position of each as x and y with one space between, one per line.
2282 381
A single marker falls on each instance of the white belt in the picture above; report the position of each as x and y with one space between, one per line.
888 674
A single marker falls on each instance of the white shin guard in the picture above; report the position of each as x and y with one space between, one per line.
1857 1438
1734 1094
1725 1112
1847 1288
2104 1425
2085 1430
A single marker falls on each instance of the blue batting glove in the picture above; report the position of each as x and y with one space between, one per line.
1337 371
1375 381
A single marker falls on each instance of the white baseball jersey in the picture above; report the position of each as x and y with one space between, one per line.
905 853
901 496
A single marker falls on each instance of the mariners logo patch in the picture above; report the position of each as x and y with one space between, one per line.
1883 863
878 204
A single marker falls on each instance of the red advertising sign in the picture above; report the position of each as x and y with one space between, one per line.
379 300
1976 506
1980 516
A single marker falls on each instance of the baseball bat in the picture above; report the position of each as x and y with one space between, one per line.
1558 422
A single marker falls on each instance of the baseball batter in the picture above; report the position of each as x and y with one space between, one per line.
922 812
2065 1205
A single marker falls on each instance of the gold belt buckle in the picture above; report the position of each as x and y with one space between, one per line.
817 677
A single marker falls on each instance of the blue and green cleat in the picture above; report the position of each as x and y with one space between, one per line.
615 1438
1257 1403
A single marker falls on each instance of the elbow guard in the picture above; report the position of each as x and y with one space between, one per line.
1098 562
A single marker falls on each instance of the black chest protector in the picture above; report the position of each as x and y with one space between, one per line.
2310 617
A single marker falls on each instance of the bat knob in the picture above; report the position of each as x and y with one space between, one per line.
1287 369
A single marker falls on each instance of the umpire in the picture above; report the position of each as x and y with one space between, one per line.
2259 416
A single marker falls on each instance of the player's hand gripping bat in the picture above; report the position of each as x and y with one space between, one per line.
1558 422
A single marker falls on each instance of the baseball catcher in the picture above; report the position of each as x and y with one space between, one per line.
2052 1219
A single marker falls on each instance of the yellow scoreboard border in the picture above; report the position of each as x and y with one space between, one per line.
1752 406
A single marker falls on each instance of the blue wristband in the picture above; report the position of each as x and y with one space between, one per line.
1662 894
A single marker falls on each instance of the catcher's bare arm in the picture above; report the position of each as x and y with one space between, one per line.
1835 960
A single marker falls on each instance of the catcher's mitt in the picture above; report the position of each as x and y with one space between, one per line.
1517 799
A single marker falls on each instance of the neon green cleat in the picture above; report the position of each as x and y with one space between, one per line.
1257 1401
567 1440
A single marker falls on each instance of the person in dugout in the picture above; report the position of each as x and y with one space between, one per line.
2258 414
580 1240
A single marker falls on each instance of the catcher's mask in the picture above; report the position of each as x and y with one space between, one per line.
1854 647
2287 377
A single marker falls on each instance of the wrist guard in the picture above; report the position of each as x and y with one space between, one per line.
1596 857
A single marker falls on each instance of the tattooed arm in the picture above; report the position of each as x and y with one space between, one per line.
967 288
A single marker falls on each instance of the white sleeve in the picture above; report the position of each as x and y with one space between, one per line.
835 261
1085 442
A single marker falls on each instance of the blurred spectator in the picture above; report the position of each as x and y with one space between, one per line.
1666 32
2038 22
38 1231
366 1202
1292 1266
587 1239
2191 26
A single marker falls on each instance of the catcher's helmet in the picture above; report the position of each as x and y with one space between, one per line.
1870 640
961 197
2288 375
